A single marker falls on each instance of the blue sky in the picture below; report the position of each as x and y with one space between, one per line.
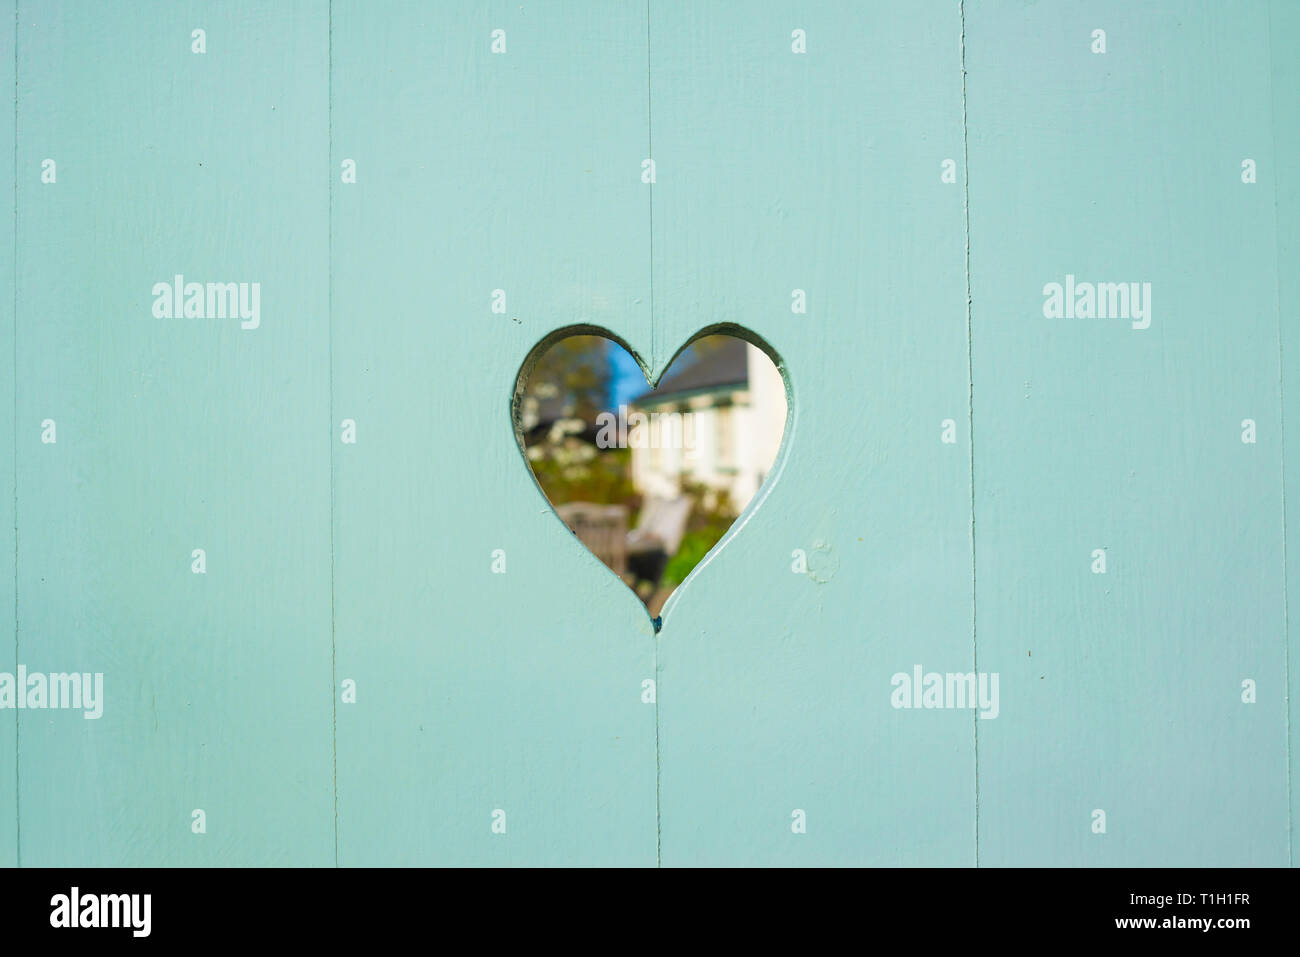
627 380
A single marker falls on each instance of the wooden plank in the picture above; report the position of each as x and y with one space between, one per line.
1122 691
821 171
1280 178
478 691
8 599
175 434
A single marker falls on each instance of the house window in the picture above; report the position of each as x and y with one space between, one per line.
690 442
724 439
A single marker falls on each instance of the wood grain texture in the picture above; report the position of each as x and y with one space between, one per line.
175 434
1284 27
371 561
1091 434
8 607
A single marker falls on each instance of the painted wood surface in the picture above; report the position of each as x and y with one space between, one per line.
349 469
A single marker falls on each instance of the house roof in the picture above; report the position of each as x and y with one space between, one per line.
723 364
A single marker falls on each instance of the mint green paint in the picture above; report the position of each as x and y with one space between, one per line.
478 691
175 434
774 171
1097 435
8 739
1285 26
821 172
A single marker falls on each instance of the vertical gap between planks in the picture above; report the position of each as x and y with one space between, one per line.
18 827
1281 424
654 360
329 309
970 417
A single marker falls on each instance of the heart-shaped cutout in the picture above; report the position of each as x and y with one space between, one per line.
651 473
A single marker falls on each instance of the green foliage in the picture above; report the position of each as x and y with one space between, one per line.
562 397
695 545
571 470
711 515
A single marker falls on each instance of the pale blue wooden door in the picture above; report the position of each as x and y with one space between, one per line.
391 650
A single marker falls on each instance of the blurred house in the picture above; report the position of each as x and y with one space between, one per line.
731 401
546 413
